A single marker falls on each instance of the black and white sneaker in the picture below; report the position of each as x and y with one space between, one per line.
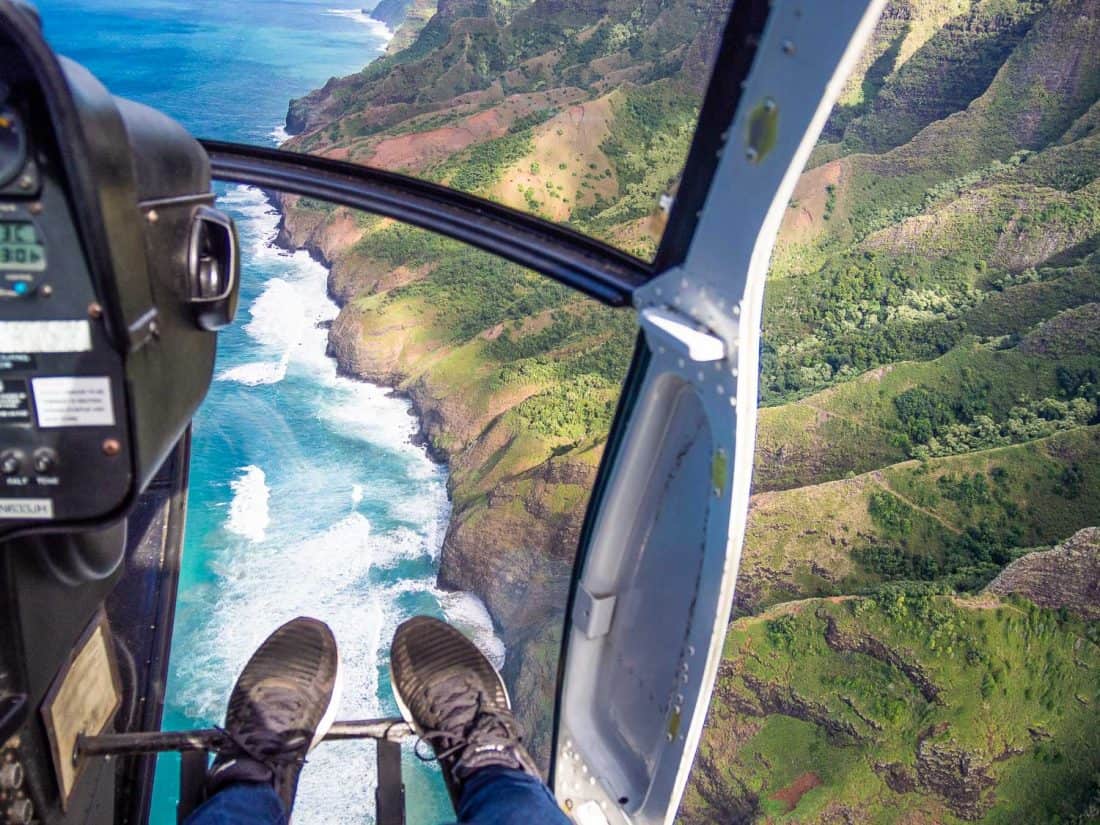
455 700
282 706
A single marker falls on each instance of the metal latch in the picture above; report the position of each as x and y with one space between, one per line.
592 614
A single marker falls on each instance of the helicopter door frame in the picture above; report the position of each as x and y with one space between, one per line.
667 517
660 548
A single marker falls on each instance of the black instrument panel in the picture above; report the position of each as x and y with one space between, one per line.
64 451
116 271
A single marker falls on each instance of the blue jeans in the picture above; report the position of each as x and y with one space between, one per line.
492 796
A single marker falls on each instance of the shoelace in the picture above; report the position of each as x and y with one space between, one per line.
267 748
263 744
466 723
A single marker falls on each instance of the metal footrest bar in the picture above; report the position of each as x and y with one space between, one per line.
211 739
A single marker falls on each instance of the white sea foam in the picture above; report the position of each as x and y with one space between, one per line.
327 576
259 589
377 27
256 373
248 511
288 320
294 547
279 135
468 613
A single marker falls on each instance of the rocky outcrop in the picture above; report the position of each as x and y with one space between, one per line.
515 550
958 777
391 12
773 698
896 776
870 646
375 364
1066 577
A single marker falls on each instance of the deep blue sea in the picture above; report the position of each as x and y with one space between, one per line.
307 496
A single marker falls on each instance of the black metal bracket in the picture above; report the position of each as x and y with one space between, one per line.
193 766
389 796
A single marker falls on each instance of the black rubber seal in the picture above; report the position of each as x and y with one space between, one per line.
558 252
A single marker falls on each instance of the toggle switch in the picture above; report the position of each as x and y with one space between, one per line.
11 462
45 461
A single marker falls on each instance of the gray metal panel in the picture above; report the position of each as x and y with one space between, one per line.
667 538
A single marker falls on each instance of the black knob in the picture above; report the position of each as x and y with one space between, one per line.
45 460
11 462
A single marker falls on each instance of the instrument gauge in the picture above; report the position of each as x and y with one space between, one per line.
13 145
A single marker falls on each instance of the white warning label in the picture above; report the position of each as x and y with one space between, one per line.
26 508
73 402
45 336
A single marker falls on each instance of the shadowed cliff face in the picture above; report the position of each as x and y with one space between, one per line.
930 369
1067 576
589 106
518 499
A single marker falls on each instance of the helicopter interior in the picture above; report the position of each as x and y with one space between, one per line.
116 273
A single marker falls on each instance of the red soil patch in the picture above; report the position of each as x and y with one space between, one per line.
806 220
794 792
419 148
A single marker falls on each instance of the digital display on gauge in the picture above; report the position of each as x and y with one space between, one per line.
20 248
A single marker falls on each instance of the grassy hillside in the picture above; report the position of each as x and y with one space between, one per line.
930 386
903 707
956 521
979 395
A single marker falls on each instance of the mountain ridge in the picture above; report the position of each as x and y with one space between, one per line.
927 351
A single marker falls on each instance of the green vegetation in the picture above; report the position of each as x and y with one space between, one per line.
973 709
954 521
930 383
478 168
653 129
570 410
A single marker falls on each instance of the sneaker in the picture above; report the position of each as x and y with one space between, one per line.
455 700
282 706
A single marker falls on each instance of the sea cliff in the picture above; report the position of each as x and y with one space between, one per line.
511 543
930 380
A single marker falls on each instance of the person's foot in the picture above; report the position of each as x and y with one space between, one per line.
283 704
454 699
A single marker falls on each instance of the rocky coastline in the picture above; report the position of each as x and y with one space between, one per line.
524 591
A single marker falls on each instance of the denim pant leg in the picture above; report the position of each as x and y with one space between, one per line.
498 796
246 803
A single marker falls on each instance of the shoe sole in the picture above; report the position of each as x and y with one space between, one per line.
474 659
325 725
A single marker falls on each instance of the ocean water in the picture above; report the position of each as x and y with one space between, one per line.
307 496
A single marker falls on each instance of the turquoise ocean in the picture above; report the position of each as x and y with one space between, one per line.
307 495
